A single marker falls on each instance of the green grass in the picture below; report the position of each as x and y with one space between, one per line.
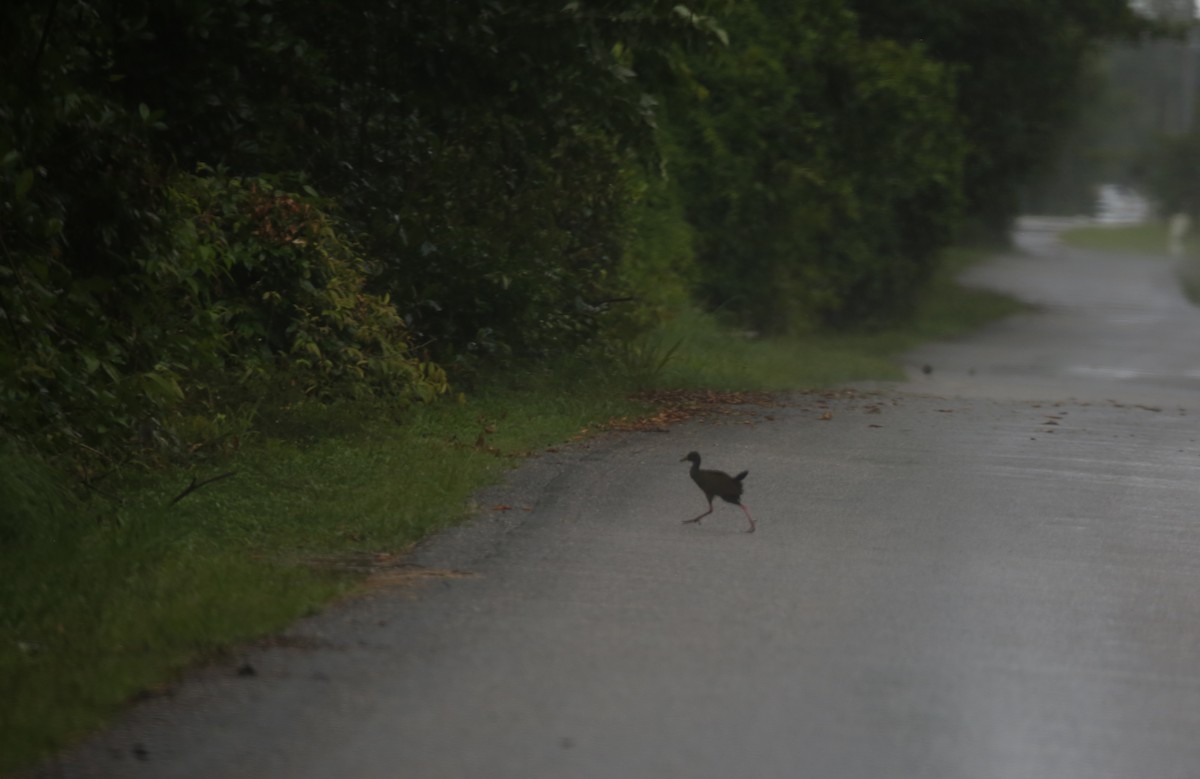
1144 239
707 355
103 599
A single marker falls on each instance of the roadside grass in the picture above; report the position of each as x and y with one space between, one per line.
105 597
1149 238
1145 239
104 600
707 355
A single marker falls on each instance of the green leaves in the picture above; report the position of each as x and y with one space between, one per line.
1017 68
704 23
22 183
498 173
295 308
821 171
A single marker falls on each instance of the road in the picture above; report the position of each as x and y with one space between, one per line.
992 570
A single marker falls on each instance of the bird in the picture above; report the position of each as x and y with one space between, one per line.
717 484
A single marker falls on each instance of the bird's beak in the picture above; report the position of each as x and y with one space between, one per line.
681 459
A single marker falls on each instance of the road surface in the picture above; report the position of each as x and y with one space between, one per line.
992 570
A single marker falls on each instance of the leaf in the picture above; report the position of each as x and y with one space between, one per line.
23 183
165 387
144 111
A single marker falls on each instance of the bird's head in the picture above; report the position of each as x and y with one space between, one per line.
693 456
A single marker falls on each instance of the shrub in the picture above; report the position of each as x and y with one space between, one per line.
246 295
821 171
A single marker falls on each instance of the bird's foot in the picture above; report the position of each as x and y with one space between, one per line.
690 521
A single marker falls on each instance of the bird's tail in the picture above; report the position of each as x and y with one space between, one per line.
741 476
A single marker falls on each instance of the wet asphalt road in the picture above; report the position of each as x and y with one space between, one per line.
990 571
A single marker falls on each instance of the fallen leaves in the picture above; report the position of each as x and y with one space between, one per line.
383 569
746 408
675 406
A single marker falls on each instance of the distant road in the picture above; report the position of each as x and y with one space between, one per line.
989 572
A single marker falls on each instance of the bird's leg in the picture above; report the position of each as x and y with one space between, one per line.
702 516
745 509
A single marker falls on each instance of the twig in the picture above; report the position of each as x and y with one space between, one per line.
41 49
90 485
609 301
197 485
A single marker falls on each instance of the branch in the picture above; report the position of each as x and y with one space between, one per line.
41 49
609 301
197 485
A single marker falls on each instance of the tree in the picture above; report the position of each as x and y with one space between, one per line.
1019 69
821 172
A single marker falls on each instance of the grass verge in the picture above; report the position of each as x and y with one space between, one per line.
1145 239
1149 238
104 600
707 355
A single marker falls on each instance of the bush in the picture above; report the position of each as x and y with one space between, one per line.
1172 166
821 171
261 272
247 295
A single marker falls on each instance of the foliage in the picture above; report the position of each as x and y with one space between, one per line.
696 350
484 170
268 267
488 162
820 171
247 293
657 258
1019 67
483 164
1172 173
501 179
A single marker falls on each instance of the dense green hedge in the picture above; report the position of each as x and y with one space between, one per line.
247 295
823 171
210 205
1019 70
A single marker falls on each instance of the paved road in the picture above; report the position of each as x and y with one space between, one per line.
991 571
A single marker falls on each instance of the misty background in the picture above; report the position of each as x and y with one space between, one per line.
1133 151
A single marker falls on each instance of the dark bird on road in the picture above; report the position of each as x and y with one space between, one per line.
717 484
